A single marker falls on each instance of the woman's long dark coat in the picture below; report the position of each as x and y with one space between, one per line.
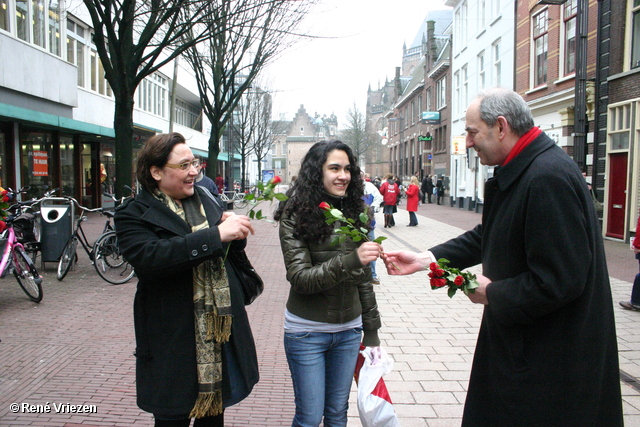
546 353
163 251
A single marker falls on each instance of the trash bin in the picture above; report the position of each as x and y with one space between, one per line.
56 215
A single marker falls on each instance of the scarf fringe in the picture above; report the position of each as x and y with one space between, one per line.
218 327
207 405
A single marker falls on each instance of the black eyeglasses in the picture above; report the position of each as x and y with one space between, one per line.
185 166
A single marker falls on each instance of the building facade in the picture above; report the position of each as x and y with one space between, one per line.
418 122
617 112
57 109
483 57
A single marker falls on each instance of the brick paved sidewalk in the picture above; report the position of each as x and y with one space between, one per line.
76 346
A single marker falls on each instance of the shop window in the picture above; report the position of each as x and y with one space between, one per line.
67 163
37 162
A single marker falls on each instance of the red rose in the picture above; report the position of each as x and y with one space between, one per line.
433 276
276 180
325 206
434 266
459 280
438 283
5 198
439 272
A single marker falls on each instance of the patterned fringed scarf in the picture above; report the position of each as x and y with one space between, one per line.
212 309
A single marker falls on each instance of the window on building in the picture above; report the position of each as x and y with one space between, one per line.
98 82
22 20
441 93
619 127
152 94
37 21
456 92
465 87
497 63
76 43
420 110
55 10
429 104
541 46
414 112
4 15
483 14
496 8
188 115
569 12
284 148
481 71
635 36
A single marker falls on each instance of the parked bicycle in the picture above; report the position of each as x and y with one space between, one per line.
26 223
104 253
237 197
15 260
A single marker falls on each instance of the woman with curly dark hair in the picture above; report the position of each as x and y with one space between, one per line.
331 301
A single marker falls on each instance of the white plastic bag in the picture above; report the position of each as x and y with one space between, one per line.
374 404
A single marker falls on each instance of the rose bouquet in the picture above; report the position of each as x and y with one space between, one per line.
442 275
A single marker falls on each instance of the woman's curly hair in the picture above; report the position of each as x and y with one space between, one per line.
308 192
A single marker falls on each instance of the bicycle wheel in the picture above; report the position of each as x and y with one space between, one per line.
109 262
239 201
67 257
27 275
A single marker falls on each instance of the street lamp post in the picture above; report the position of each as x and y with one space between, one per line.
580 122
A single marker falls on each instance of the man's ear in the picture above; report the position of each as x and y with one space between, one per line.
503 127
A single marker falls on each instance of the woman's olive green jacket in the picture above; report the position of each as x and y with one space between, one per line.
328 282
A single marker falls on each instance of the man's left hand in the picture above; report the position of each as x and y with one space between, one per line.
480 294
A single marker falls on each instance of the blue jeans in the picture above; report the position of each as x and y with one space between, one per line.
322 366
372 235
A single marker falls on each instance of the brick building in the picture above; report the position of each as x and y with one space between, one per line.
618 116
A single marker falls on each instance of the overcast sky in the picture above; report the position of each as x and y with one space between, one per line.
362 45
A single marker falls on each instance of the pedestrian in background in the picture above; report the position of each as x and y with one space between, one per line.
390 191
439 189
424 189
373 199
220 183
634 303
547 351
413 195
195 353
204 181
331 300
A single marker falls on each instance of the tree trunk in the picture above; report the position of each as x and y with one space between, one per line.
214 150
123 127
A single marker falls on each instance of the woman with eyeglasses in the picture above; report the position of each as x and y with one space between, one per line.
195 353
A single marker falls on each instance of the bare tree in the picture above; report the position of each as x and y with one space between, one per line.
356 135
134 39
248 34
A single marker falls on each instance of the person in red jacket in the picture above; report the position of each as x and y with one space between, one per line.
389 190
413 196
634 304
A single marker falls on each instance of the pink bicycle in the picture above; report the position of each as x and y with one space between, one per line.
15 260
